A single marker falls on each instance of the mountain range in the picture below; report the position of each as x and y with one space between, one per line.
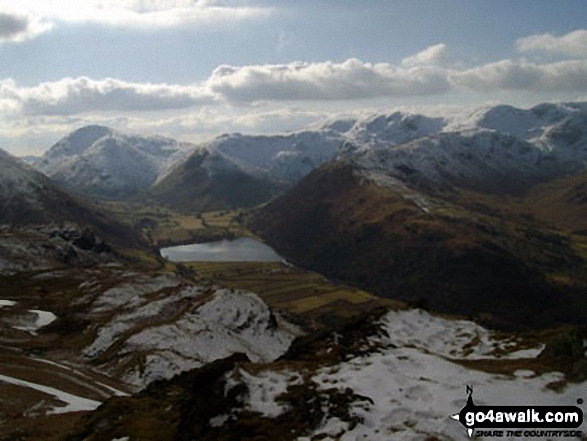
469 228
500 146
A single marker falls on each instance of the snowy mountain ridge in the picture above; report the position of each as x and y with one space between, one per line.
103 162
553 132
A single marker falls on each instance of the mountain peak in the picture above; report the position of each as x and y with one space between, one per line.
79 140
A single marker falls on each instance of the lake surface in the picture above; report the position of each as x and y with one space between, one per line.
243 249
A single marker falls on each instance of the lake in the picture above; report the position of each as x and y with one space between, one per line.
243 249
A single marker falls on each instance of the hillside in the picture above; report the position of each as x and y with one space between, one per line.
28 197
207 181
455 251
236 170
388 375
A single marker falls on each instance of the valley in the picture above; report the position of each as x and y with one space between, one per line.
412 256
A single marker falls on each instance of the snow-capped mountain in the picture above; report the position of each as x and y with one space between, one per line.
478 159
554 132
491 142
100 161
497 149
281 157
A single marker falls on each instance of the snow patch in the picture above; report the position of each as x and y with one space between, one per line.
230 322
415 385
265 387
73 402
43 318
461 339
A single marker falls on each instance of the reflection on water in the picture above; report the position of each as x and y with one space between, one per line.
243 249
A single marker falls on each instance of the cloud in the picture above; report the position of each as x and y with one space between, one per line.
436 55
573 44
71 96
352 79
18 27
214 121
282 84
508 75
144 14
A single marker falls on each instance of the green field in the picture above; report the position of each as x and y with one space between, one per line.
163 226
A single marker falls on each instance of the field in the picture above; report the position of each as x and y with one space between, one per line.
284 287
293 290
162 226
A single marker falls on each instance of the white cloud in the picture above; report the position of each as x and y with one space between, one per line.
508 75
16 27
436 55
71 96
352 79
309 82
573 43
144 14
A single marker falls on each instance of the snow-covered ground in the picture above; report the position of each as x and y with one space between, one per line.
35 320
415 392
264 388
161 325
412 381
230 322
460 339
72 403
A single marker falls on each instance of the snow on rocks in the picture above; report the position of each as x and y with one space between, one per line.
230 322
40 248
414 393
460 339
264 388
34 320
161 325
134 308
131 294
414 385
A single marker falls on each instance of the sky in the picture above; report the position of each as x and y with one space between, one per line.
194 69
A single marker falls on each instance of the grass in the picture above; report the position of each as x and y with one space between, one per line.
292 289
283 287
162 226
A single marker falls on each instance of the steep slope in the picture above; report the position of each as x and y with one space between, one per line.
209 181
391 375
490 147
479 159
28 197
240 171
456 251
99 161
561 203
75 335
